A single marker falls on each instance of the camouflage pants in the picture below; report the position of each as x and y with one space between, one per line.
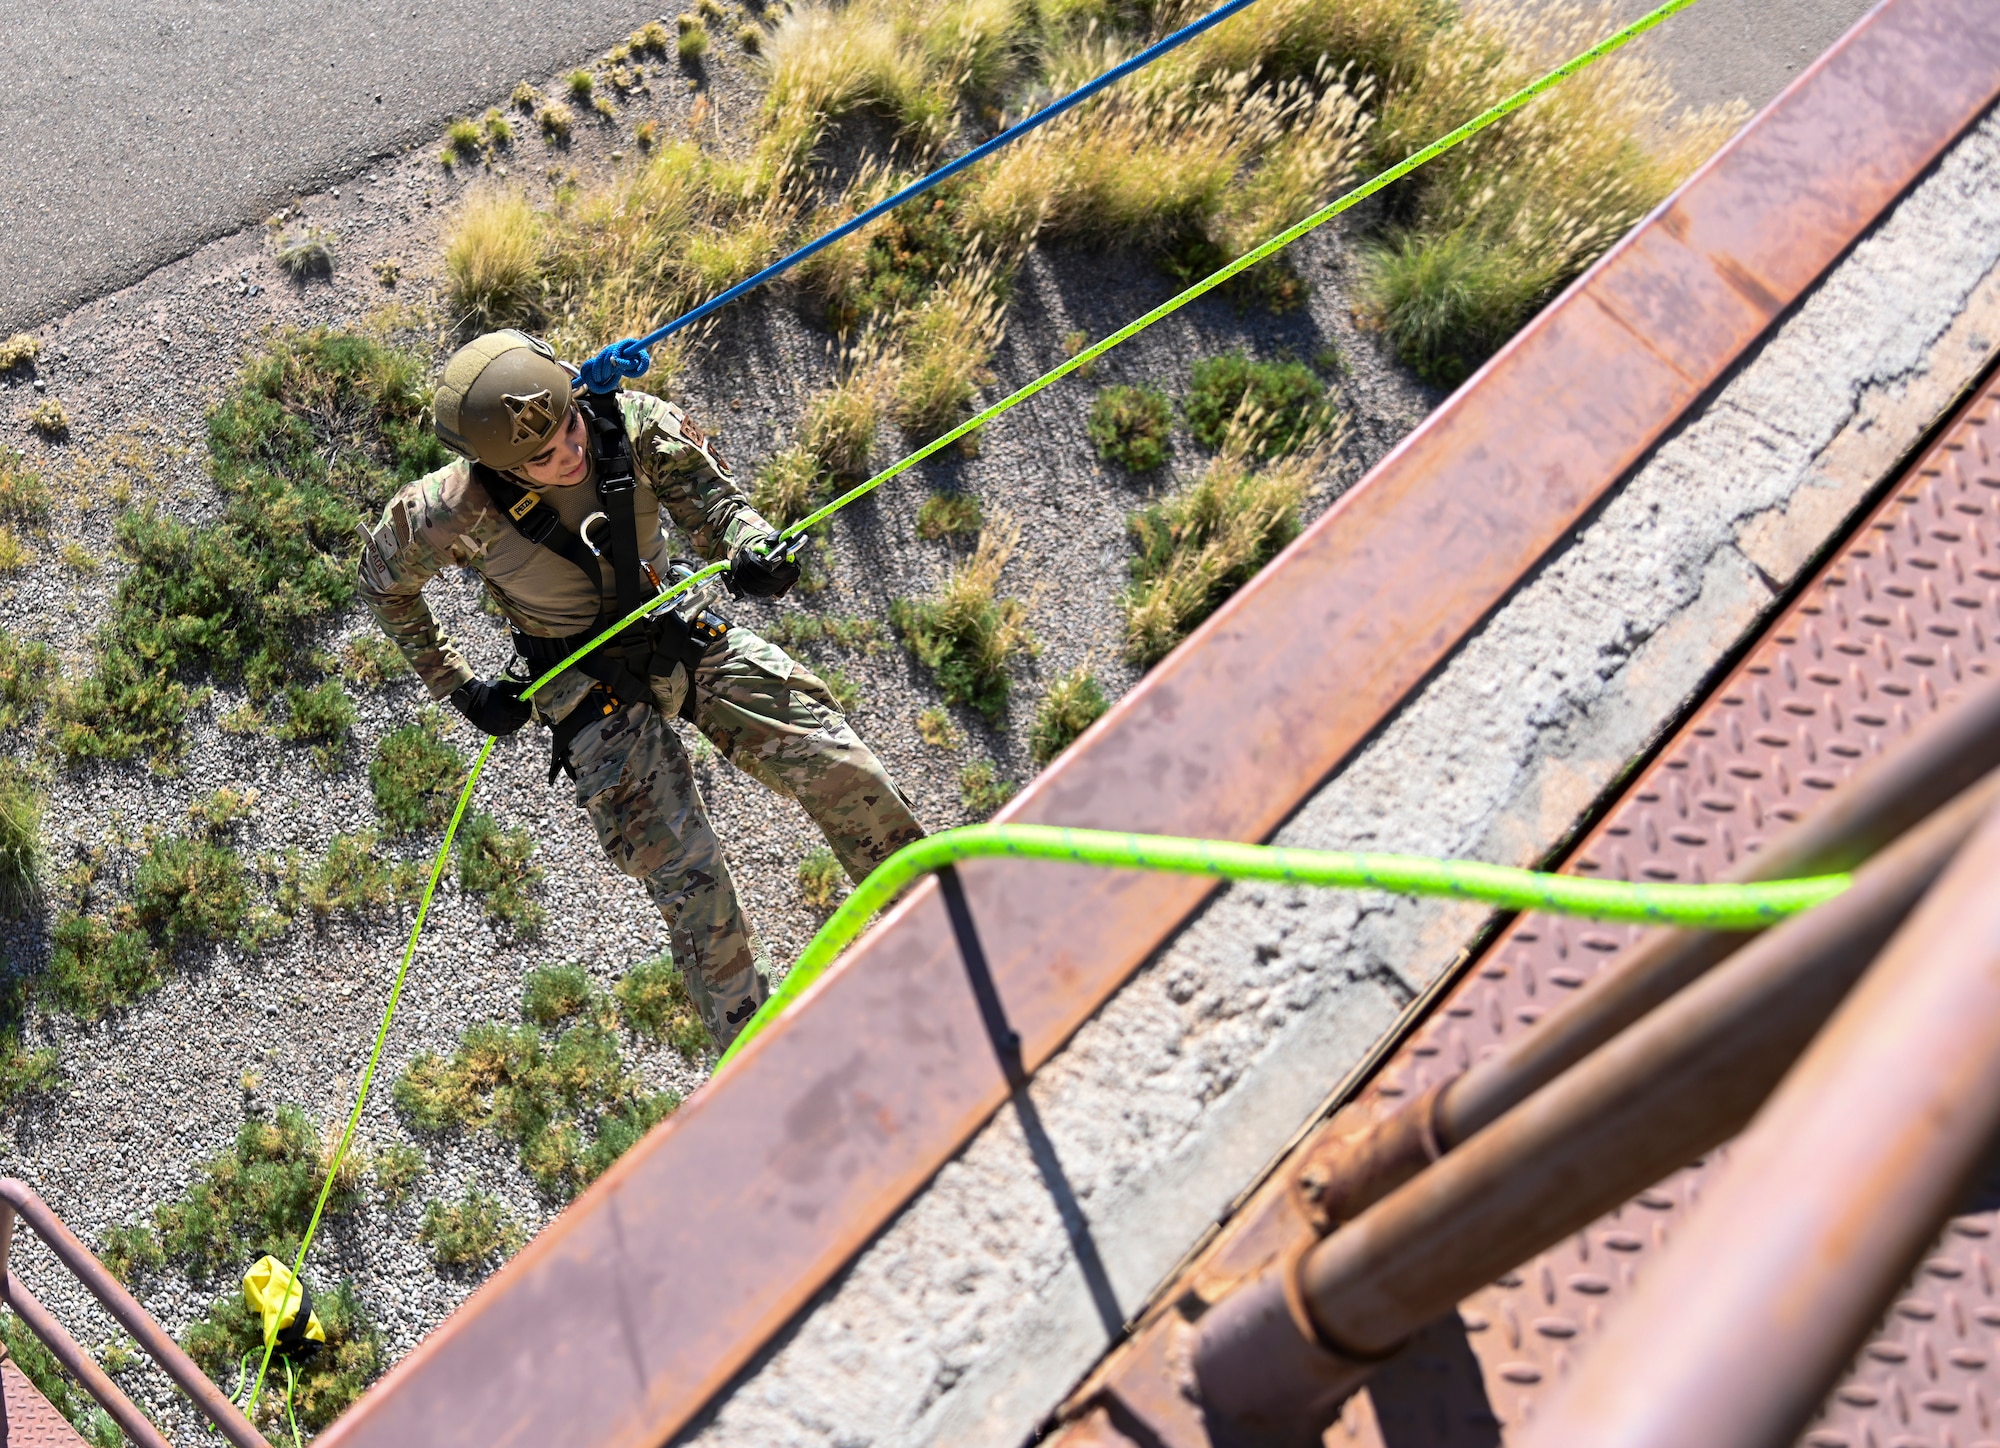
775 721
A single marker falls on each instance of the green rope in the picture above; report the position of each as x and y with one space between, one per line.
1249 259
417 927
1700 907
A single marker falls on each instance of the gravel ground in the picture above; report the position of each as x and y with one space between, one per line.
153 1091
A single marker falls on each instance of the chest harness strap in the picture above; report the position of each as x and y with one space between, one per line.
618 666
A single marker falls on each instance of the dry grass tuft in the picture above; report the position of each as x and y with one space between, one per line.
493 262
1199 544
306 254
964 631
947 344
1496 227
556 120
840 423
49 418
787 486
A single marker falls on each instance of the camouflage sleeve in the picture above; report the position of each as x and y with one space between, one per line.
688 474
418 534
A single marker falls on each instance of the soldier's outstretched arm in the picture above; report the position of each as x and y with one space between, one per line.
418 534
692 480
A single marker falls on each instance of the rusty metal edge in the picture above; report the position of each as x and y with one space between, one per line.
81 1365
622 1320
168 1355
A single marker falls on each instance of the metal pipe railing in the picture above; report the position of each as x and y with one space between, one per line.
1745 1323
1944 756
82 1366
209 1400
1275 1357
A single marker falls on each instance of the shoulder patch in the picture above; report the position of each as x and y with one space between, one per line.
677 427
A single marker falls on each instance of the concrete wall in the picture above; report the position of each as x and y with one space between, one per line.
973 1313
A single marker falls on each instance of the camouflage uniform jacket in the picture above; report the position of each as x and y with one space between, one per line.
446 517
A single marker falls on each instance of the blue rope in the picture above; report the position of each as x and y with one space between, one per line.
630 358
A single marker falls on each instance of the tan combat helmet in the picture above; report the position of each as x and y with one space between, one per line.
502 398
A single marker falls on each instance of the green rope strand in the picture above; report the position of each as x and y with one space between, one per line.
417 927
1699 907
1249 259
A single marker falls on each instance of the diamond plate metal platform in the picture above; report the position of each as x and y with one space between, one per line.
29 1420
1901 616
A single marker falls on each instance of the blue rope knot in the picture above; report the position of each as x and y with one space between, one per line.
616 362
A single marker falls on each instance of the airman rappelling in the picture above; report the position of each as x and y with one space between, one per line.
559 504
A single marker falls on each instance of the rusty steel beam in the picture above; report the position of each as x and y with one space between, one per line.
621 1320
1346 1173
209 1400
1734 1338
1676 1084
1924 526
82 1366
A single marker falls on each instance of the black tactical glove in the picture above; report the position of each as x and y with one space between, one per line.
762 577
495 708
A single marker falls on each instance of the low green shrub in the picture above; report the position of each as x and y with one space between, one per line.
95 968
188 891
553 994
949 515
397 1171
565 1101
820 879
256 1198
844 691
416 775
656 1004
1271 407
320 427
370 661
322 717
471 1231
1072 704
22 1071
892 265
351 878
1131 427
981 790
493 864
131 1250
28 673
859 635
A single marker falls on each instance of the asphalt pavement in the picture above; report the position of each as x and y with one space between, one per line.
132 133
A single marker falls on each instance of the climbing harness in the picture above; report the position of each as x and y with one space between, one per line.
1697 907
632 353
620 668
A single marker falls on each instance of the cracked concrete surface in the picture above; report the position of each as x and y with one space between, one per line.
967 1320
